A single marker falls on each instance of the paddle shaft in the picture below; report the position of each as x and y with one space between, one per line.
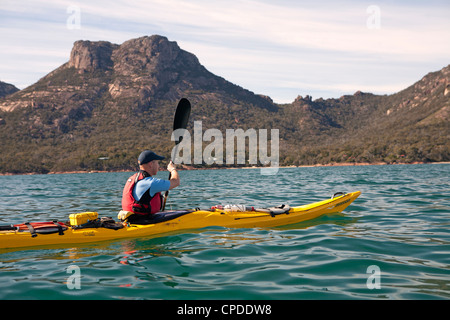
180 121
166 194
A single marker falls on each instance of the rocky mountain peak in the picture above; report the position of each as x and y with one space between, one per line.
153 66
137 74
152 54
90 56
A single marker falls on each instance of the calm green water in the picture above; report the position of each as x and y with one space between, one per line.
400 224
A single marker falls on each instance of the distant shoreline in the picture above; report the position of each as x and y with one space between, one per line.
185 167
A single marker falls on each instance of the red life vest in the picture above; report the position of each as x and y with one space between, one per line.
146 205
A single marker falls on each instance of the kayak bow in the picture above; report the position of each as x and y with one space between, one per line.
169 221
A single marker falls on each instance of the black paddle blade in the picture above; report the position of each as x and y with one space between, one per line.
180 121
182 114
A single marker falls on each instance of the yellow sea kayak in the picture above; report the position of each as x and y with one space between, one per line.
170 221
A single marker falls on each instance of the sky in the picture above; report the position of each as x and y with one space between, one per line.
281 49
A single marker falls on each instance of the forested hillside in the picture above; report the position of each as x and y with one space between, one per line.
109 102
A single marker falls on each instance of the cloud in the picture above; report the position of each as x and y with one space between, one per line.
267 47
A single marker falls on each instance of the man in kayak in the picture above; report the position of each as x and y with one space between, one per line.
142 192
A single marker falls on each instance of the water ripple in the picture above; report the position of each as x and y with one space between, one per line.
399 224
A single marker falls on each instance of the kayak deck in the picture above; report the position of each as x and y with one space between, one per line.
192 220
